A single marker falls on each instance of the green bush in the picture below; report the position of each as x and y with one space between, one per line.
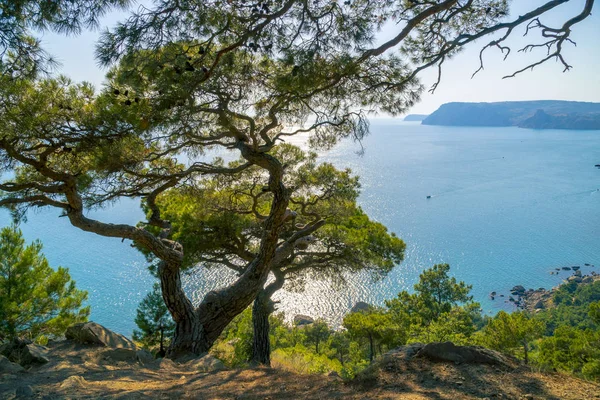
572 350
304 361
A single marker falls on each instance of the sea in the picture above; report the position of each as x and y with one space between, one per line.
503 206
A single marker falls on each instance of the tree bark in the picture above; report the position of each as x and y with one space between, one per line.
188 337
161 351
261 344
371 348
261 311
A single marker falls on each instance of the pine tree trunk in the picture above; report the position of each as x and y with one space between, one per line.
161 351
371 348
196 329
188 337
261 311
261 343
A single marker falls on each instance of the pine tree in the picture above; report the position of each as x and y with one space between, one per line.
316 333
35 300
594 312
191 77
154 321
507 332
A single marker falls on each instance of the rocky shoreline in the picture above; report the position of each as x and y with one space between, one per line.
535 300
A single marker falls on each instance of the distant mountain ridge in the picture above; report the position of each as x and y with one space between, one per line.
539 114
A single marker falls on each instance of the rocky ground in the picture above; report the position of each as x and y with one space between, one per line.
441 371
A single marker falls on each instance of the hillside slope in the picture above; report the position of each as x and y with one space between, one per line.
81 372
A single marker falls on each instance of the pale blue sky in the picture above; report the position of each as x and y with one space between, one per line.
548 81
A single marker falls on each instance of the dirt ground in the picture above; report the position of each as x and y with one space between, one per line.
79 372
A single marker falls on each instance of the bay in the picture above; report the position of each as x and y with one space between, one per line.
507 207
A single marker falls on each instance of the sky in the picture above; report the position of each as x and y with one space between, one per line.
546 82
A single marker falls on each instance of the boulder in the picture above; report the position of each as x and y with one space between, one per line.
360 306
206 363
448 351
96 334
9 367
577 273
566 268
518 289
587 279
575 268
303 320
24 352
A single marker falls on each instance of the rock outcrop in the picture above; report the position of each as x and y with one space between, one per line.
300 320
24 353
540 299
448 351
9 367
95 334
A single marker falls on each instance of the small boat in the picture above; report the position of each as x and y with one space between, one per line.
429 196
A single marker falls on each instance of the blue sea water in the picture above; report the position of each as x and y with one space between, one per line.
507 206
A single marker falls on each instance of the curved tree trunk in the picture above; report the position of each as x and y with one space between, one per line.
197 329
188 337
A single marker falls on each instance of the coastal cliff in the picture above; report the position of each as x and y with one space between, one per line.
543 114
